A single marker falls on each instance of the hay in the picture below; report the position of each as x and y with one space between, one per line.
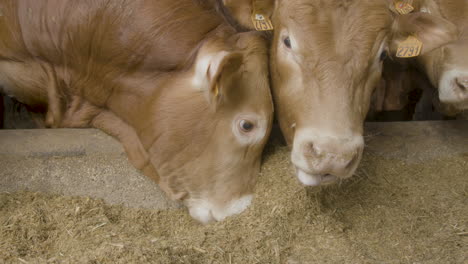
391 212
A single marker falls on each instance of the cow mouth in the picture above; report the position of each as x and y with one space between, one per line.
315 179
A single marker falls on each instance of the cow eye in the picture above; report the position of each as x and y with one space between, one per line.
287 42
383 55
246 125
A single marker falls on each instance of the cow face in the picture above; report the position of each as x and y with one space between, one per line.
209 127
326 57
447 69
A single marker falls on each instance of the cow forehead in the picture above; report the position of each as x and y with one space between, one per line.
252 92
336 28
253 81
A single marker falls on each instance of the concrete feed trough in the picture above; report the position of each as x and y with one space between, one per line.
84 162
406 204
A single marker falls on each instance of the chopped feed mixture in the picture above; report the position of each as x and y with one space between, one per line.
390 212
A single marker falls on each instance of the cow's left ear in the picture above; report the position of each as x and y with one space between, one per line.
215 68
431 30
243 10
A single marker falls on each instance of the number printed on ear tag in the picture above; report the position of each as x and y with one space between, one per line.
404 7
409 48
261 22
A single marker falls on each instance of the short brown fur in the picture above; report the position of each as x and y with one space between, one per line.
128 68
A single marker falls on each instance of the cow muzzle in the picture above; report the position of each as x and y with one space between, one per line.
453 89
325 159
206 211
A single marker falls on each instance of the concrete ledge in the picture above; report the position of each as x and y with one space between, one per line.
87 162
82 162
417 141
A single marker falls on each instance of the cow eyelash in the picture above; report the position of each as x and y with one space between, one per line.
383 55
287 42
246 125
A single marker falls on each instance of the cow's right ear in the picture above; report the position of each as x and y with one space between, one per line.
243 10
431 30
212 69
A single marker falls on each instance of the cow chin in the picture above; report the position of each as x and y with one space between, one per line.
213 186
315 179
206 211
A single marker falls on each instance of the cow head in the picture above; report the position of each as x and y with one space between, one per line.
326 58
205 129
447 69
446 66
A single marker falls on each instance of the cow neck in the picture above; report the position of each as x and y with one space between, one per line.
139 95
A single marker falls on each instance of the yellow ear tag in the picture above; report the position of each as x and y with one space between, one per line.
409 48
261 22
403 7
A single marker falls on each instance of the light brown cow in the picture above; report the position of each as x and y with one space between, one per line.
391 98
198 130
446 67
402 81
326 58
404 93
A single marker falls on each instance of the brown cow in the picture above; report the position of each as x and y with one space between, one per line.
391 96
403 94
446 67
326 58
198 129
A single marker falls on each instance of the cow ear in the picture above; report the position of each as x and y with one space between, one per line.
243 10
214 72
431 30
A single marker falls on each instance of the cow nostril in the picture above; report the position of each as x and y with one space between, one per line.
310 149
462 83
